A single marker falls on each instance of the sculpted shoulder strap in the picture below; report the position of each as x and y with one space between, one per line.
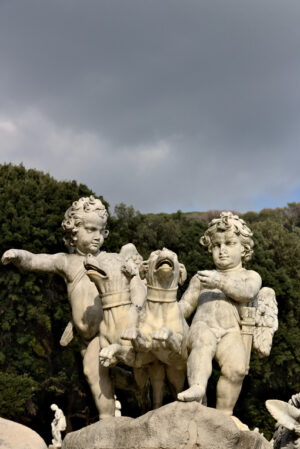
80 274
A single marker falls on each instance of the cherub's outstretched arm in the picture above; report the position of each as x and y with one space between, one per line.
241 286
189 300
49 263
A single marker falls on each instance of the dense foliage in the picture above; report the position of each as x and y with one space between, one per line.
36 371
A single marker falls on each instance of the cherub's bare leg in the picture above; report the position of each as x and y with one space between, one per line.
157 379
98 379
231 357
202 343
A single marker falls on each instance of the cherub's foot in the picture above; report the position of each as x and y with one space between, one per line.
108 356
194 393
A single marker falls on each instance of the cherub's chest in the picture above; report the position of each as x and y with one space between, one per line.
215 307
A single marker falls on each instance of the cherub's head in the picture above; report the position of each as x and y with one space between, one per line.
84 224
229 240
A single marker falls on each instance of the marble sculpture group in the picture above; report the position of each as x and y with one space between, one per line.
125 309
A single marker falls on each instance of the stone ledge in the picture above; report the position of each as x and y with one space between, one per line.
179 425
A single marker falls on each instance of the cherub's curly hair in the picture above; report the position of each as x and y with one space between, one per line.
227 222
73 217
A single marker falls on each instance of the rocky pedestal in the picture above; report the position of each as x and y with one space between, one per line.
16 436
175 426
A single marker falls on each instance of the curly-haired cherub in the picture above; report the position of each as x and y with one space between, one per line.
84 224
217 295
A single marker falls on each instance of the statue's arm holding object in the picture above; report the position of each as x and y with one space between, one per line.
241 286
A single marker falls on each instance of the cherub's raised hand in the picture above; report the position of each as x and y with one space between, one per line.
209 278
12 255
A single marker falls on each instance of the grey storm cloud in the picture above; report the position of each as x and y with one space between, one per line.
165 105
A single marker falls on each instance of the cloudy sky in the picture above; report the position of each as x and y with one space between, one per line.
161 104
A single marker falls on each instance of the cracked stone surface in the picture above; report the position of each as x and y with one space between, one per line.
178 425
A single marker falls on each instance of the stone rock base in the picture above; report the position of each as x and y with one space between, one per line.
16 436
179 425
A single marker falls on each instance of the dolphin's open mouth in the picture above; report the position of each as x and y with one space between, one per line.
164 264
92 267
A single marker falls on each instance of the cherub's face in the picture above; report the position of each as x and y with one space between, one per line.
227 250
91 233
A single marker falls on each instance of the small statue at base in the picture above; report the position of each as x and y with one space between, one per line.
118 407
58 425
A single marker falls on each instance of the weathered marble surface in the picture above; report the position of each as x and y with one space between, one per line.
130 313
173 426
16 436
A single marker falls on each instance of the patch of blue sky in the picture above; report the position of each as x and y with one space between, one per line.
269 202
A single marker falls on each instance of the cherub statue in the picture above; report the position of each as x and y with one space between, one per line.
287 415
85 227
58 425
225 318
